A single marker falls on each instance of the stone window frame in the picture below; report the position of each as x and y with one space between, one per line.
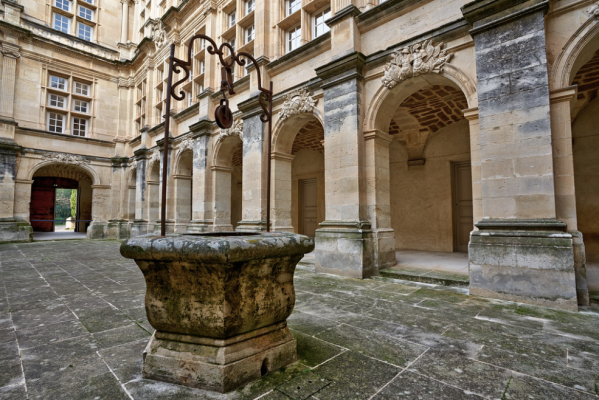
49 119
73 18
292 6
76 131
141 93
314 17
83 35
57 97
86 13
70 96
250 33
297 29
231 19
250 5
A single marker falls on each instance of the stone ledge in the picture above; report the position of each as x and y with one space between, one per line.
426 276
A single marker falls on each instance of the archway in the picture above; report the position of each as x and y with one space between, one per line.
227 188
48 183
430 190
183 179
585 150
298 203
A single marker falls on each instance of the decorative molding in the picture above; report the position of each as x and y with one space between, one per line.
154 157
65 158
297 102
186 144
235 130
10 50
411 61
157 33
126 82
594 10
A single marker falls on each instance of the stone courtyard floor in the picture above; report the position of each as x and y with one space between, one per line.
73 326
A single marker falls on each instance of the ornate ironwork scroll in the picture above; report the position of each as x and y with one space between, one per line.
222 115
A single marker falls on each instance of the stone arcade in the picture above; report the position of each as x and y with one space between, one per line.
433 126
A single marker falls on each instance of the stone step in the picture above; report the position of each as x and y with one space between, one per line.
435 277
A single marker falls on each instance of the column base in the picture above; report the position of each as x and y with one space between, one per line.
138 227
15 231
345 248
97 230
117 229
220 365
580 269
528 261
251 226
199 226
384 248
169 227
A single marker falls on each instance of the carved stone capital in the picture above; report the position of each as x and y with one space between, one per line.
297 102
235 130
10 50
186 144
411 61
593 11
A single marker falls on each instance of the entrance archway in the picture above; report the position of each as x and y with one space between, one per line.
585 149
298 175
51 178
183 190
227 188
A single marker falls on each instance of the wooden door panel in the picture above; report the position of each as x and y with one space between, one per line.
463 211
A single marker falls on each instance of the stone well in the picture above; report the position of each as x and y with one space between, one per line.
219 303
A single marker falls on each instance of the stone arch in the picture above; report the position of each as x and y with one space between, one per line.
385 101
81 173
227 164
224 150
578 50
71 171
285 130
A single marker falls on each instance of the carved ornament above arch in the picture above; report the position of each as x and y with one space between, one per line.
297 102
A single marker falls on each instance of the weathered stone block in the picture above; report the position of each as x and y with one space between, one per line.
14 230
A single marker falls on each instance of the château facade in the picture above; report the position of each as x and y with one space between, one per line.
435 125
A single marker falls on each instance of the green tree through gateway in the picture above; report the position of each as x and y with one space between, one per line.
64 205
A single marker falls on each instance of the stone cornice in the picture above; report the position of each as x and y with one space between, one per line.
477 12
348 67
42 133
346 12
382 11
183 114
201 128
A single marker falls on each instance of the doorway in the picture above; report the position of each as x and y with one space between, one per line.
462 205
309 205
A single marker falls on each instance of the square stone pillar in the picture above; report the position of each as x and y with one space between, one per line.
118 228
170 190
345 243
140 223
11 229
254 168
379 197
521 252
221 189
201 206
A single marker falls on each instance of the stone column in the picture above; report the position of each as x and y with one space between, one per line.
98 228
140 223
125 21
11 229
201 207
10 52
254 169
221 191
561 103
521 252
117 225
378 196
281 192
477 197
344 243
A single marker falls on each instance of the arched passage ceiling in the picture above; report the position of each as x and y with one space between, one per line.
425 112
587 79
309 137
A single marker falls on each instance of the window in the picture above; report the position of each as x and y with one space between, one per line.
85 31
319 26
232 43
79 126
55 122
249 34
249 6
59 83
294 38
202 67
232 19
63 5
89 1
62 23
189 99
86 13
81 106
81 88
202 43
293 6
57 101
